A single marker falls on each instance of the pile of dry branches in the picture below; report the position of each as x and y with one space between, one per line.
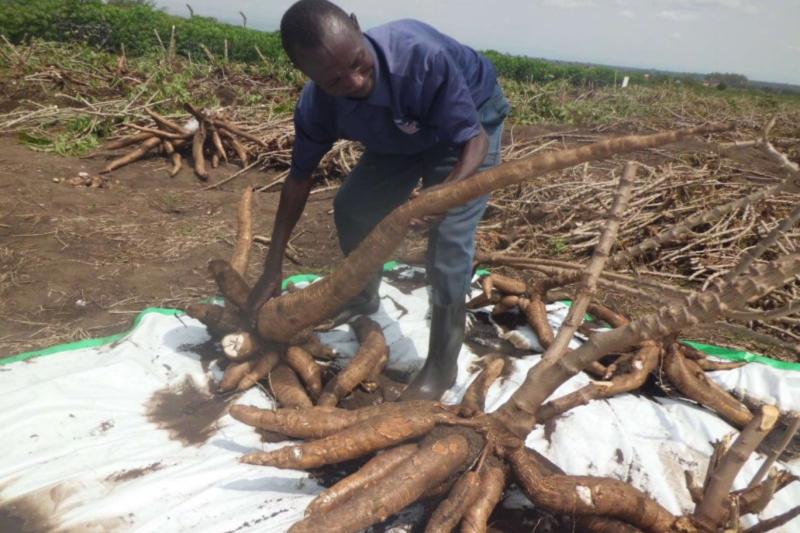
464 457
561 218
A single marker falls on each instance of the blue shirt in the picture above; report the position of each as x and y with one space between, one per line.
427 90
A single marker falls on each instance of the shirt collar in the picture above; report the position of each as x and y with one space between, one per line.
380 95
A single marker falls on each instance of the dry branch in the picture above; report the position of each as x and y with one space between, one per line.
788 435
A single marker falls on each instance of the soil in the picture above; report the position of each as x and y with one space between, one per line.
81 262
188 414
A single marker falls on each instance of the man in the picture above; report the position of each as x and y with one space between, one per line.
424 106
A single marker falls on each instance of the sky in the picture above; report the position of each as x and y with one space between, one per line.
757 38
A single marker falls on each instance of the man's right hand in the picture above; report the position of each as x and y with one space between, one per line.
293 199
267 287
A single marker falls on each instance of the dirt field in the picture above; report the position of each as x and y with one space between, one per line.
78 262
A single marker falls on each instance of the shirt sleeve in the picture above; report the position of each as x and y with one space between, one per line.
314 132
451 109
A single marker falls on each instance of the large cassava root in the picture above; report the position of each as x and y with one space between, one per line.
317 422
283 317
354 441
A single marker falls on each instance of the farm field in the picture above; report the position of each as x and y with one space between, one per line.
131 145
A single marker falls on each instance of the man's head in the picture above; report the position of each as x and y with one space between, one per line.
328 46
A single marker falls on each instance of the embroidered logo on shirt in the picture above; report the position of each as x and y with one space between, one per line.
409 127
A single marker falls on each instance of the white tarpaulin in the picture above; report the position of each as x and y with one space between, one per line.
126 437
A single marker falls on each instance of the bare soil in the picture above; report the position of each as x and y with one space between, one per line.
79 262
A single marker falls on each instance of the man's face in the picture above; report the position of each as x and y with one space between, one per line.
343 65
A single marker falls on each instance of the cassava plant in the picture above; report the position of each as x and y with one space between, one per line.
465 456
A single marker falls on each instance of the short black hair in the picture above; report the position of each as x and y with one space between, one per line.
302 25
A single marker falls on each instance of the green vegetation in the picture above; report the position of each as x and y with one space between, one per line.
109 26
76 137
531 70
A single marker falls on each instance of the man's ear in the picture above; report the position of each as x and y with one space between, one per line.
355 21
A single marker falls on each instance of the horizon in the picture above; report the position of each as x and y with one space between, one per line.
758 39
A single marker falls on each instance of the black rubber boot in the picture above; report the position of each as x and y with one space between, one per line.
365 303
441 366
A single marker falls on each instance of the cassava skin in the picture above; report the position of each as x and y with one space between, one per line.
304 366
587 495
198 141
234 373
244 229
475 397
259 370
317 422
230 283
492 484
134 155
287 388
448 514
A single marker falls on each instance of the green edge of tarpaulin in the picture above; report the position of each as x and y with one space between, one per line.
738 355
714 351
89 343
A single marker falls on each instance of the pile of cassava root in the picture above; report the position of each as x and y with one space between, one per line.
459 455
206 133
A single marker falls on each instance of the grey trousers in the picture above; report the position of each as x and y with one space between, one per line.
381 182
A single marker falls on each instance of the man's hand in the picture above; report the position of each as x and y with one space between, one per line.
420 224
267 287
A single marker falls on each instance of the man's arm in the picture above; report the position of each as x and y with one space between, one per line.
473 153
313 138
294 196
